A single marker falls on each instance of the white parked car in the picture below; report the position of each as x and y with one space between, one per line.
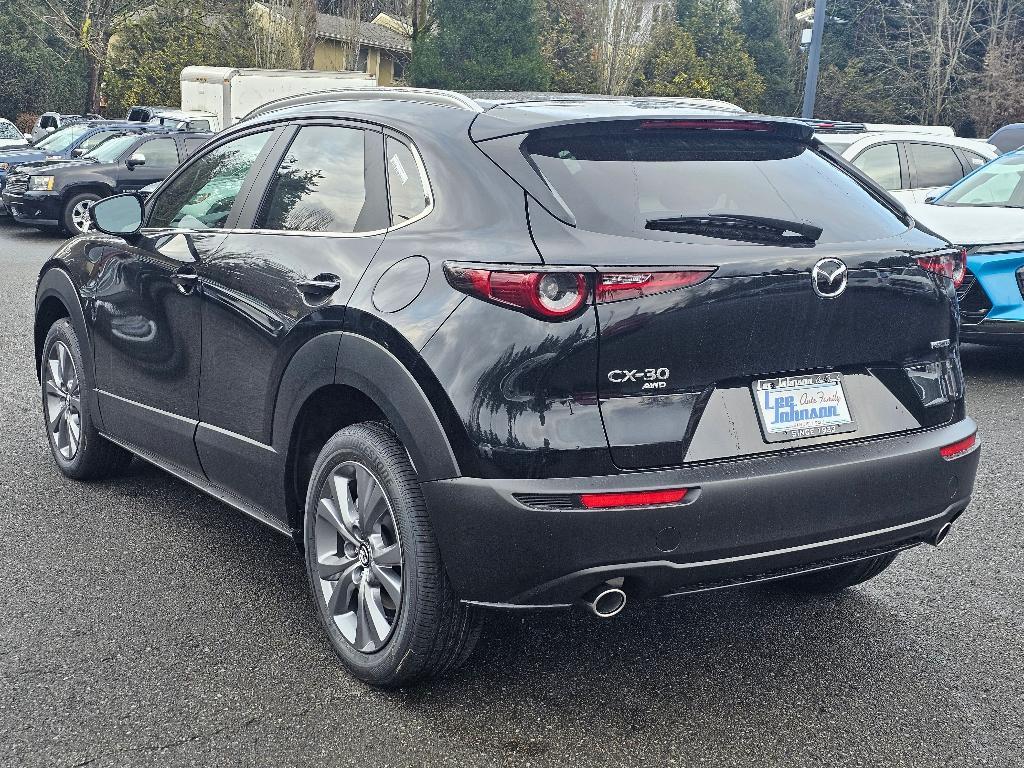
10 136
181 120
911 165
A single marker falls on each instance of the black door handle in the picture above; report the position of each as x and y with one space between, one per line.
320 286
185 280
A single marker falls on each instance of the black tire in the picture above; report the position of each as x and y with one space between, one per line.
839 578
66 215
432 632
94 457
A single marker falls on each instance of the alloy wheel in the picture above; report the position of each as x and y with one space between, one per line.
62 394
358 556
81 217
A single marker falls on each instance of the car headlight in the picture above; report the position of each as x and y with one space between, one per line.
40 183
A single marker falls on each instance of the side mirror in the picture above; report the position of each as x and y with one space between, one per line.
135 160
120 215
930 199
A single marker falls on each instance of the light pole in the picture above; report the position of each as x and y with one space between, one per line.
813 60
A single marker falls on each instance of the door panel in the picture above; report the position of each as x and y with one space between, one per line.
319 210
147 335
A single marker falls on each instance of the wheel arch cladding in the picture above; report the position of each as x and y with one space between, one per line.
345 379
56 298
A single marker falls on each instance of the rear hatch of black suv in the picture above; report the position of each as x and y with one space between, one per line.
753 294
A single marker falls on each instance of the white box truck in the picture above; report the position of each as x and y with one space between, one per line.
232 93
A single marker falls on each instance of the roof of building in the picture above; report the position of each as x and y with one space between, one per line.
368 33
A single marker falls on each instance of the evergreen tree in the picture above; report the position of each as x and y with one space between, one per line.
481 45
759 24
569 46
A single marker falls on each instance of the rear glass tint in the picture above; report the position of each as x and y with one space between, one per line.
616 180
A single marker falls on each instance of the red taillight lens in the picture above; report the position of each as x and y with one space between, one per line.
616 286
951 264
959 448
710 125
632 499
549 295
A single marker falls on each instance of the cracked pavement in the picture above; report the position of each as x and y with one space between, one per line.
144 624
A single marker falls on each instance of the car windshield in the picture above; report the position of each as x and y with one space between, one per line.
9 130
998 184
111 149
58 141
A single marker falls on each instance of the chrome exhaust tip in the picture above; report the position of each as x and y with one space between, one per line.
604 601
941 535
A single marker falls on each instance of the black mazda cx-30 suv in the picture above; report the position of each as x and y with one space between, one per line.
516 353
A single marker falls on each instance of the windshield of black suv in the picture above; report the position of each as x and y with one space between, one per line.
111 149
9 130
1000 184
618 180
58 141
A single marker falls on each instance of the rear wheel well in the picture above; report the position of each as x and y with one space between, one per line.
326 411
50 311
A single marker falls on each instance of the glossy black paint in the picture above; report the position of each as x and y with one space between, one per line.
208 350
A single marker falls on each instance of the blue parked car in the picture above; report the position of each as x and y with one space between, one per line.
72 141
984 213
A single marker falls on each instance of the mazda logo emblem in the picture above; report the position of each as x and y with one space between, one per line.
828 278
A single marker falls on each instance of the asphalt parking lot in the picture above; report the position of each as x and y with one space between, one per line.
142 623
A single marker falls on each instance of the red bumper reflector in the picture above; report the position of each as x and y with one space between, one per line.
959 448
634 499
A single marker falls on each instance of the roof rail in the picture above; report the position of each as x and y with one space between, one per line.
425 95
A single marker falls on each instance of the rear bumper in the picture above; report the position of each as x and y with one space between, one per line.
747 519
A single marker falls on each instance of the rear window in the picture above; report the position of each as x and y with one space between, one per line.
616 181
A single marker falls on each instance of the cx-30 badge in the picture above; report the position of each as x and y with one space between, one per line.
829 278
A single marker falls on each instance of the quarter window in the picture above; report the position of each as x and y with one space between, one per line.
410 195
934 166
202 195
320 185
881 163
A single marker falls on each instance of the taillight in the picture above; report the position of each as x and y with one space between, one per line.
632 499
951 264
616 286
548 295
959 448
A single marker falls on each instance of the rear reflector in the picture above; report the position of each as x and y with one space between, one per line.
633 499
959 448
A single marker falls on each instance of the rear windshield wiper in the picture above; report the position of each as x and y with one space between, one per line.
750 229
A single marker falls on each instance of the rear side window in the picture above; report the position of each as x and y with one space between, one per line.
881 163
934 166
407 187
320 185
620 180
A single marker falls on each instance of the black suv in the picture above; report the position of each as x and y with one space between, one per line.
519 354
56 193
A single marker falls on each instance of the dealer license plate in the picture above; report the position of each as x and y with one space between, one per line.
795 407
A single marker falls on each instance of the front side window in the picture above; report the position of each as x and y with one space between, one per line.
320 185
935 166
407 187
202 195
882 164
159 153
